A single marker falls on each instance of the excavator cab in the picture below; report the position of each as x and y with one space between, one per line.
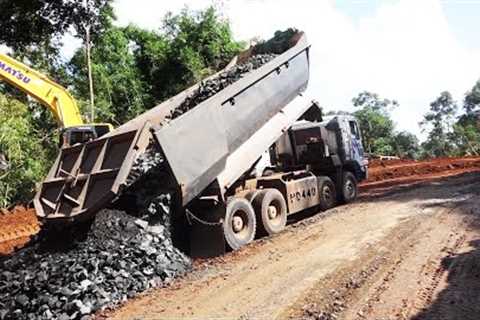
82 134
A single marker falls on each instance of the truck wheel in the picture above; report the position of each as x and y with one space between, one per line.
271 211
239 225
326 193
349 187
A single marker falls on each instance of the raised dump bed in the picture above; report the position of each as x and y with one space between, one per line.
213 143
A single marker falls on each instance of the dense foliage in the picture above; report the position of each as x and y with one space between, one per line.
134 69
43 22
375 122
451 133
25 152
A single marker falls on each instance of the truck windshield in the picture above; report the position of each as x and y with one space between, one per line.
354 129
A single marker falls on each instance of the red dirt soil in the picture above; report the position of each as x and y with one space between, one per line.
387 170
16 228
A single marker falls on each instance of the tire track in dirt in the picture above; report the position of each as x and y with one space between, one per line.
434 268
407 297
337 299
332 299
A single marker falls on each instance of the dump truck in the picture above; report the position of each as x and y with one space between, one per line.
237 164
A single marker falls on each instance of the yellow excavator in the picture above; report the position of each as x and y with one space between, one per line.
56 98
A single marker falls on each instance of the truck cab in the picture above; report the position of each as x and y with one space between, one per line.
316 163
329 147
335 138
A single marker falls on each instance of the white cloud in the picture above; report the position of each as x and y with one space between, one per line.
405 50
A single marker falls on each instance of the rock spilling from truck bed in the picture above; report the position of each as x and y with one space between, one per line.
120 257
210 87
281 42
147 162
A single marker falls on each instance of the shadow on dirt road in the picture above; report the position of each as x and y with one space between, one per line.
460 299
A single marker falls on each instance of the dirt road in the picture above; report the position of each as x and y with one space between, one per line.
18 225
410 253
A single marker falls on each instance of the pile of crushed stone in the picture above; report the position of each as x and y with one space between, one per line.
120 257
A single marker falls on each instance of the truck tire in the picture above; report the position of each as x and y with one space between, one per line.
349 187
326 193
271 211
239 225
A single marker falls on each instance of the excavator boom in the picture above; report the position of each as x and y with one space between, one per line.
40 87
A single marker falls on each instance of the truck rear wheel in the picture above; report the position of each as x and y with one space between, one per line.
349 187
326 192
271 211
239 225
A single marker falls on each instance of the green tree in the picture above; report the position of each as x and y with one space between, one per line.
467 139
200 42
134 68
120 93
406 145
373 101
36 22
439 124
466 131
375 122
472 99
24 150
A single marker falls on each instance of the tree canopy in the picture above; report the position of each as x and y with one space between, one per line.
134 69
451 133
439 124
375 122
24 150
472 99
43 22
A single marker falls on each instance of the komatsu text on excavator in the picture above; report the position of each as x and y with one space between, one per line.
56 98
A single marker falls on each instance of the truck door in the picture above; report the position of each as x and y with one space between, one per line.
355 142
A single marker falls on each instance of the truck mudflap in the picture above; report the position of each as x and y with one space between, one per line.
200 147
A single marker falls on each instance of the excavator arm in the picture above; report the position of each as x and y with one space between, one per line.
55 97
44 90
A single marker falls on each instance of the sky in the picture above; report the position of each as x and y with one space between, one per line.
407 50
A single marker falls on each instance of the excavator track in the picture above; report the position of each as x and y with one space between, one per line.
17 226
